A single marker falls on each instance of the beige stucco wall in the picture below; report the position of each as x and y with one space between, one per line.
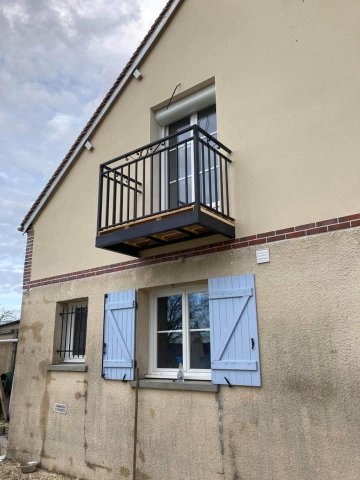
303 423
287 81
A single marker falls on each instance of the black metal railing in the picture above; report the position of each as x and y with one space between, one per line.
72 337
180 170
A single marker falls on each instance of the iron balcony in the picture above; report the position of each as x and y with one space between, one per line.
173 190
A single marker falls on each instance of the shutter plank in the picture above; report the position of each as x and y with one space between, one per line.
233 365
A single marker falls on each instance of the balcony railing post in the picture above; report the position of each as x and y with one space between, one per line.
196 168
100 199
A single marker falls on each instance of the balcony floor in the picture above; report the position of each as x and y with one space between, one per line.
166 228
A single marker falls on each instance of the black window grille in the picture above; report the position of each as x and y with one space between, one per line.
72 342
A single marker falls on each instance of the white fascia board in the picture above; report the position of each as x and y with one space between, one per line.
113 97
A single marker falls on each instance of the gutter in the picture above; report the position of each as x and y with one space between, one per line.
142 54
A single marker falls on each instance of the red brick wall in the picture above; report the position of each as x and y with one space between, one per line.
28 258
322 226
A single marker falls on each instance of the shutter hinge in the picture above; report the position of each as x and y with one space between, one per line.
104 349
103 374
106 295
252 344
136 305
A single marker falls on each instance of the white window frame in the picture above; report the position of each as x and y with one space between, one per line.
171 373
165 187
69 357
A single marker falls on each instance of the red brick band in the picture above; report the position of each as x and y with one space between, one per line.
261 238
28 258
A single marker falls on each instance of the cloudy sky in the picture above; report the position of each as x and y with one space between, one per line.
57 60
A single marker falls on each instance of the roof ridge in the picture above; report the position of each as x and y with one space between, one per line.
95 114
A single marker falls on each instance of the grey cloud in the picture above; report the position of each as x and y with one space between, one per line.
57 60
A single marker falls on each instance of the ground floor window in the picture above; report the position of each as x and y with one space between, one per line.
72 331
180 332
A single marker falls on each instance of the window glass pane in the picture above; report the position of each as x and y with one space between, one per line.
207 120
79 337
169 313
169 350
198 310
200 350
176 127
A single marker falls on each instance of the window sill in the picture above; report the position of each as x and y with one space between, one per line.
188 385
68 367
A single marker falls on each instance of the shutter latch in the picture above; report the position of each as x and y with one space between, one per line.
228 382
252 344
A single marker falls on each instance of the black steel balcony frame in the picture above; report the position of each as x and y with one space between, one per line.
147 183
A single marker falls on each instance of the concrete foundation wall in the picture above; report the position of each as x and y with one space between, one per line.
303 423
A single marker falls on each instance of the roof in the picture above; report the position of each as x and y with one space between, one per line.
6 324
109 98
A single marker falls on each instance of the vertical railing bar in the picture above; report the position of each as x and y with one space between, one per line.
100 199
79 331
121 195
62 329
203 173
186 175
85 328
82 329
143 187
221 184
135 190
160 182
114 199
210 178
227 189
177 177
168 178
128 193
70 349
216 185
196 168
107 199
151 184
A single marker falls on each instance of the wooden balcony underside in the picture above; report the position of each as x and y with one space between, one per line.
166 228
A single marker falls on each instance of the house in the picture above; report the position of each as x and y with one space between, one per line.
8 342
208 216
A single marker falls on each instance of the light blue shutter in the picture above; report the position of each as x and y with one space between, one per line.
233 331
119 336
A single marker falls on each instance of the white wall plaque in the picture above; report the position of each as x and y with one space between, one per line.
60 408
262 256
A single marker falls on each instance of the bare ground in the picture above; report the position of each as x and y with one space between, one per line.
11 471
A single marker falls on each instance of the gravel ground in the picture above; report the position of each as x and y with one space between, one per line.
11 471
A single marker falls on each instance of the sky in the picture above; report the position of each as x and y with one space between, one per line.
58 58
